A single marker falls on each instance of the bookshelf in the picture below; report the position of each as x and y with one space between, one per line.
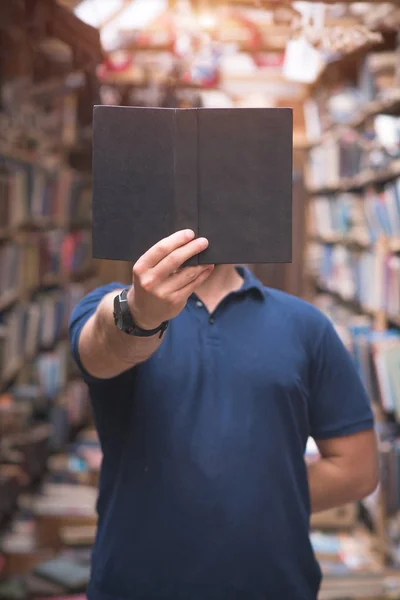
45 267
390 105
359 181
44 252
352 264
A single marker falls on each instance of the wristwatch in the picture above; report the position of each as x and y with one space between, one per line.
124 320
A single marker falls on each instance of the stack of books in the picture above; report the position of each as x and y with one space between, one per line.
14 189
78 206
362 219
43 259
76 252
47 545
376 353
350 158
32 327
334 159
368 277
11 273
33 195
338 219
349 565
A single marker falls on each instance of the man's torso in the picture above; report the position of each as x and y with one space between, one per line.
204 489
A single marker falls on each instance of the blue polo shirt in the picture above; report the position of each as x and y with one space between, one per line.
203 488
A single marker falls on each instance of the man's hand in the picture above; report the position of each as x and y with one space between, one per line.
160 287
160 291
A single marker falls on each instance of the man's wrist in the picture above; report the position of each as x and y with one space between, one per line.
140 322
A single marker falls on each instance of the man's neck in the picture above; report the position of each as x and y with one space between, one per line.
222 281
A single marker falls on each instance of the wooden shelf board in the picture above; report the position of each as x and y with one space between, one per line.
43 224
66 278
22 156
8 299
393 244
51 280
363 179
344 241
385 106
353 302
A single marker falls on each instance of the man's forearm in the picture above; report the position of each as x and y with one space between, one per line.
332 486
105 351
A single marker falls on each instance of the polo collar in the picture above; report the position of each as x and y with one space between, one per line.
250 282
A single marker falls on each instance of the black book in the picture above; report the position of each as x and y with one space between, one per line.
224 173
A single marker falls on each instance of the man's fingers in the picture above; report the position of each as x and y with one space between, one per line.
181 279
187 290
178 257
162 249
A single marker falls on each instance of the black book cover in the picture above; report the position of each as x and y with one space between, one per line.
225 173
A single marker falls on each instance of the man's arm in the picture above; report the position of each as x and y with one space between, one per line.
159 293
347 470
104 350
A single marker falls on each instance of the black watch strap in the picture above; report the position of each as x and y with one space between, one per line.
127 323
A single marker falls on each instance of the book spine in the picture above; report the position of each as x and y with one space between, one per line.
185 172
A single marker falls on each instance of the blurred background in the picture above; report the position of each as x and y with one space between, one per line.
338 66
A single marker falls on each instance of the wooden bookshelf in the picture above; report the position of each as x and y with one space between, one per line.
345 259
354 303
362 180
39 384
388 106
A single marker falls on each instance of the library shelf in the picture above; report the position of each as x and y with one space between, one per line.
353 302
51 280
363 179
389 105
13 370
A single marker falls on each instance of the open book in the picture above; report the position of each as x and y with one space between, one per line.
224 173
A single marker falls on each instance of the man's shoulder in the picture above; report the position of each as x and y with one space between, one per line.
297 310
102 290
88 303
106 288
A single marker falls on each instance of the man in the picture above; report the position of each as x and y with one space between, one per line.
204 490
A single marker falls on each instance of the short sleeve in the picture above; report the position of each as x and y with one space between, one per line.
339 403
81 314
